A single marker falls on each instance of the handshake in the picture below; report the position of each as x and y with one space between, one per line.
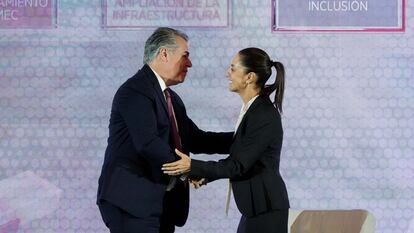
183 166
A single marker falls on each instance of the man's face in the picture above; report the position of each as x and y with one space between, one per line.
178 62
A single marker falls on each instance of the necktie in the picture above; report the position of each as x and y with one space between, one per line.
173 121
174 131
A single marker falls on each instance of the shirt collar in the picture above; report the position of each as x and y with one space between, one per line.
246 106
160 80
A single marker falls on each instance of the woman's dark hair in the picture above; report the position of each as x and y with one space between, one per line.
257 61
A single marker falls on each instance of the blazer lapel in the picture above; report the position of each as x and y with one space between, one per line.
161 97
257 102
151 76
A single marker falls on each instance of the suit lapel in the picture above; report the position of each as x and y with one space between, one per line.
236 138
257 102
161 97
153 79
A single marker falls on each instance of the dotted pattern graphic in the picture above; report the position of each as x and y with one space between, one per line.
348 113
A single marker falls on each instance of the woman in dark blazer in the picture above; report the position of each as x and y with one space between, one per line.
253 163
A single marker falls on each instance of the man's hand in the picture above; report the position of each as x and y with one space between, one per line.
178 167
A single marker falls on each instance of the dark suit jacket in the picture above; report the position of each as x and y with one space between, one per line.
253 164
139 144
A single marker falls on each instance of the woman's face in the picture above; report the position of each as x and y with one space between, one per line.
237 75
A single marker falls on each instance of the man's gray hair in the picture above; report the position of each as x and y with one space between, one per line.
162 37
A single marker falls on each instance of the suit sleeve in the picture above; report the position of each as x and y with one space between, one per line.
209 142
257 136
137 110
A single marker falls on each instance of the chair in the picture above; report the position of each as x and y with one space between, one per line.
330 221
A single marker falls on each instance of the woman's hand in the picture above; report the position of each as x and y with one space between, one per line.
178 167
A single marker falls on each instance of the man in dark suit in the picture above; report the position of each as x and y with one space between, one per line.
148 121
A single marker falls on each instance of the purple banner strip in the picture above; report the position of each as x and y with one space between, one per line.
27 14
185 13
338 15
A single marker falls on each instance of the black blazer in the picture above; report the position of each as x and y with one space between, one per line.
139 144
253 163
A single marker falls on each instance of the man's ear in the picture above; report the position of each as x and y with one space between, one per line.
163 54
